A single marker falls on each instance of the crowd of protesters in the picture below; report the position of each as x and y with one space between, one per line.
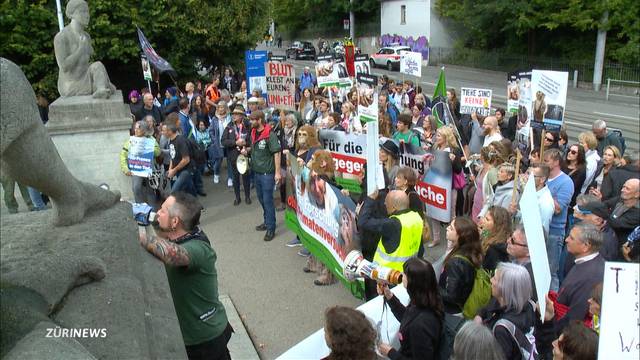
588 193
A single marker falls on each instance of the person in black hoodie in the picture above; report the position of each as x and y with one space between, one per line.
510 313
421 321
456 280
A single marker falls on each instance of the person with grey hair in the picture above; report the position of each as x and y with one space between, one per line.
510 314
142 192
584 242
475 342
605 138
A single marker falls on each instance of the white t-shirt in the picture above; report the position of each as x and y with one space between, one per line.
547 208
491 138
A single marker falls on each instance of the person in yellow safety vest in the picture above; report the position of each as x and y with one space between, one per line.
400 235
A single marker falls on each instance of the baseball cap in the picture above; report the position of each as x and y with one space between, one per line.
596 208
253 99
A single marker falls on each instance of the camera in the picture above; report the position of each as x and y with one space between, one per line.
356 266
144 214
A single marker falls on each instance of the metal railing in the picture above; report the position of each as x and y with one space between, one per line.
623 82
501 61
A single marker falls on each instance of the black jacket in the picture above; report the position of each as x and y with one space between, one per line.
612 184
495 253
369 238
524 321
420 331
229 139
624 221
456 283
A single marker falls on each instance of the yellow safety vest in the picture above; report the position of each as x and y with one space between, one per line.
410 239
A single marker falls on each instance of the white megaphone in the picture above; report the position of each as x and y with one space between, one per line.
242 164
356 266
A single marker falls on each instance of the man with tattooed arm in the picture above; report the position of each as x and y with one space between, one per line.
190 264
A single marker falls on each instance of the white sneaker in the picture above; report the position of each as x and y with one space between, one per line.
216 179
230 182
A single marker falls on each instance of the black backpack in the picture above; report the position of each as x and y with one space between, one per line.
196 152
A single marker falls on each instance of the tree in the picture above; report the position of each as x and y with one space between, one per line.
548 27
188 33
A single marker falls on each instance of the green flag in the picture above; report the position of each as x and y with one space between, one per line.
439 102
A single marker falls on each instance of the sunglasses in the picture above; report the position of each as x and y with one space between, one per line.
573 152
548 139
513 242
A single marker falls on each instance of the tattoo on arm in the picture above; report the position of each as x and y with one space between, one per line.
168 252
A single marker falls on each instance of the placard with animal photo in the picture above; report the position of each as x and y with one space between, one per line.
549 90
367 97
325 74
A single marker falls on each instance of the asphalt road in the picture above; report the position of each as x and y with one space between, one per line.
582 108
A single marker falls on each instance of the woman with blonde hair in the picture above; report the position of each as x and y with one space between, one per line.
445 140
307 105
592 158
601 184
350 121
485 180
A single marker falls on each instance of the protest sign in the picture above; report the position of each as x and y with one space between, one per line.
325 74
513 90
524 106
435 178
140 156
324 220
347 150
254 61
549 90
534 230
362 64
367 98
619 316
146 69
478 100
158 62
411 63
280 82
315 347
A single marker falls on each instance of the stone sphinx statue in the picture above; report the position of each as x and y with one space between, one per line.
73 50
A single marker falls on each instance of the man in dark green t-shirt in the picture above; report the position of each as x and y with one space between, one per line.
265 163
190 264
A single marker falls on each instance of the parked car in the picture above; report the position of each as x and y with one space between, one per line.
301 49
388 57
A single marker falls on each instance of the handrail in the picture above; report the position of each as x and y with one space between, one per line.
609 80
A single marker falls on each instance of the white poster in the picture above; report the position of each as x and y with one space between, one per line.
478 100
361 64
533 228
549 91
619 316
524 106
328 72
411 63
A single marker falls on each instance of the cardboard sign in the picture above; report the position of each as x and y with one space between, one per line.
619 316
478 100
280 81
549 91
411 63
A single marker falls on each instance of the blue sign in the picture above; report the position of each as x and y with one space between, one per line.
254 60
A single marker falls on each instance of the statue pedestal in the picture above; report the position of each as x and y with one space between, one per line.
89 134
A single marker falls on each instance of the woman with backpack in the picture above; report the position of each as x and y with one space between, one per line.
459 266
421 321
510 314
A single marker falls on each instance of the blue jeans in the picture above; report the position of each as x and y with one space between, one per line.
36 199
214 162
197 178
264 190
183 181
555 243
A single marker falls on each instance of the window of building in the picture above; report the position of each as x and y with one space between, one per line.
403 14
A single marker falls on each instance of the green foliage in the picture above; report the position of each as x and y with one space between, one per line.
295 16
548 27
190 34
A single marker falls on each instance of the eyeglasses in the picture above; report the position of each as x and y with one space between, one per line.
548 139
513 242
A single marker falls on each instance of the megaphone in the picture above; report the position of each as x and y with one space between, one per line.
356 266
242 164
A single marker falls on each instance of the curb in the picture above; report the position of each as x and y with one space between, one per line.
240 345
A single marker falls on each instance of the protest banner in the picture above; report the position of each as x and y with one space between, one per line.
549 90
254 68
435 178
324 220
478 100
367 98
140 156
362 65
160 64
347 150
619 316
146 69
280 82
411 63
315 347
524 106
325 72
532 222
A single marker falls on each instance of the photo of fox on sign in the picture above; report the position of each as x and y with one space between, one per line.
280 85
